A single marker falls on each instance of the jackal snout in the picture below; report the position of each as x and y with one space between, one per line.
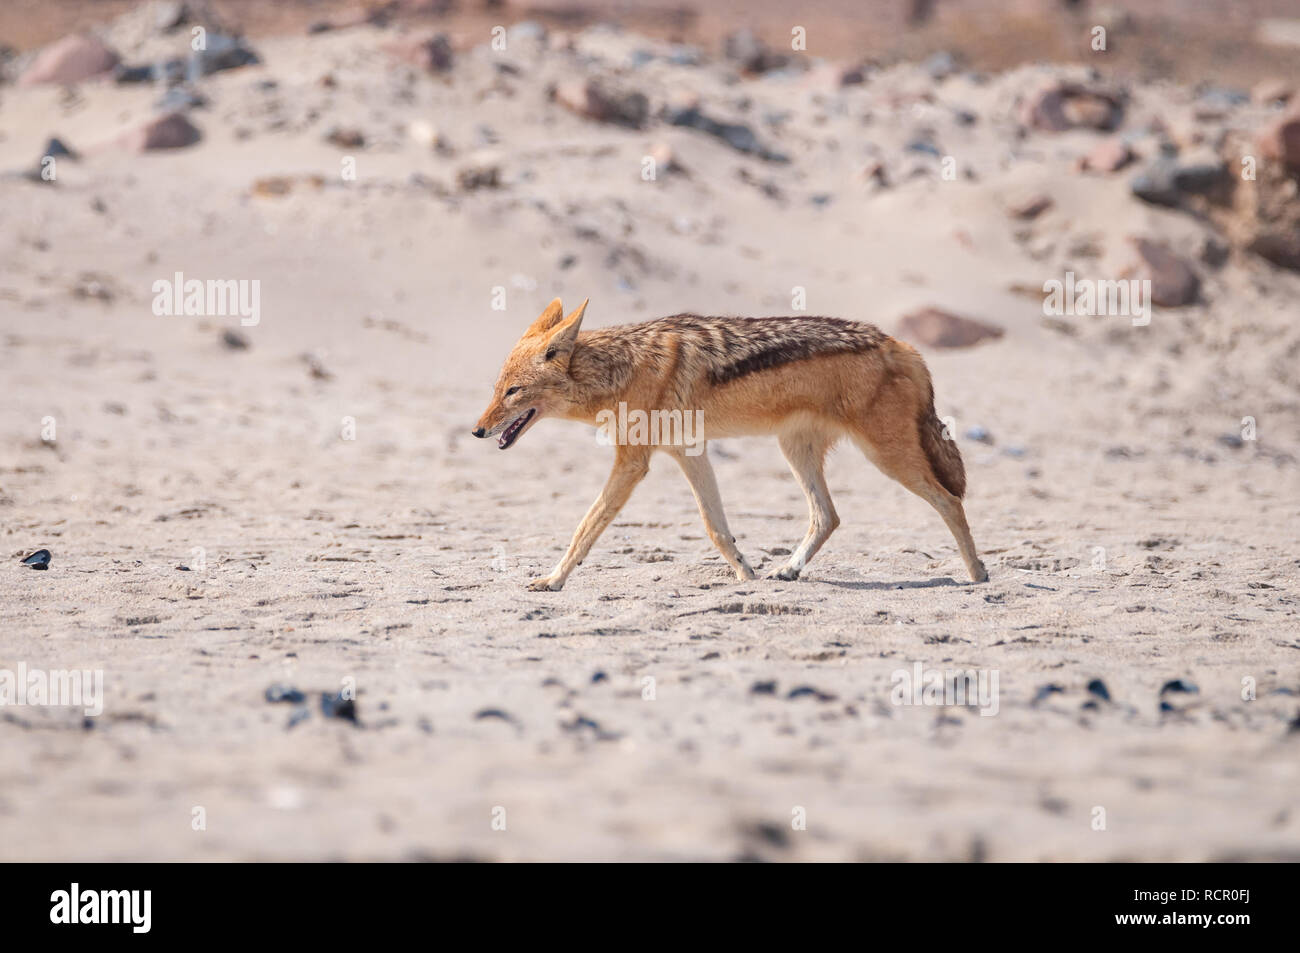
534 380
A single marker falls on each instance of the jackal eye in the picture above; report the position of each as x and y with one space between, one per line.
550 354
511 391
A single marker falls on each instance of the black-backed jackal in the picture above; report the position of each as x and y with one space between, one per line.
810 381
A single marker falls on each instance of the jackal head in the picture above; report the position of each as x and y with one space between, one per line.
535 378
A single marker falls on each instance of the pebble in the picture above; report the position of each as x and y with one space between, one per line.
279 692
38 560
336 705
1046 691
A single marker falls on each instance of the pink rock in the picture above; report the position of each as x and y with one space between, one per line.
935 328
1109 155
170 131
1279 141
70 60
1173 280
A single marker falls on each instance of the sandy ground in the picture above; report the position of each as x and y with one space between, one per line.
631 715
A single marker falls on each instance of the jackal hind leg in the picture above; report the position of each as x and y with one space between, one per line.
699 473
900 457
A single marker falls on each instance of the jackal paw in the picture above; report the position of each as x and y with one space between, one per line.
788 573
744 573
546 584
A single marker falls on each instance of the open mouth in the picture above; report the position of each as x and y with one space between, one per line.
511 433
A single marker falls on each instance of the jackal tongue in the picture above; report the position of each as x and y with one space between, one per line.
508 436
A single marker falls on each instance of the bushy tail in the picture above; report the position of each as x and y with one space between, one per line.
944 457
941 452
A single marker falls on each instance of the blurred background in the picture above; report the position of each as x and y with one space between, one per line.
1231 41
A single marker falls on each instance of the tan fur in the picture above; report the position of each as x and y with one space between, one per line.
810 381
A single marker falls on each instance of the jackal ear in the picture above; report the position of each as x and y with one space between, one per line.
549 319
565 334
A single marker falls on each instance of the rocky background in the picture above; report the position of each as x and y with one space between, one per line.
244 524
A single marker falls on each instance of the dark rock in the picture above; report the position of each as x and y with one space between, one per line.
58 150
1062 105
941 65
346 138
807 691
222 52
180 97
581 724
278 692
1178 685
1215 253
480 171
1200 178
337 705
1155 184
1098 687
1046 691
763 688
133 74
748 52
599 101
737 135
160 72
38 560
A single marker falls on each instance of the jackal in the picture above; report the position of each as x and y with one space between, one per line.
810 381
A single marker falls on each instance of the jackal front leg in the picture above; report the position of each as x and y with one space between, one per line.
630 465
699 472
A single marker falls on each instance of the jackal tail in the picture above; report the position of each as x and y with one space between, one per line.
940 452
